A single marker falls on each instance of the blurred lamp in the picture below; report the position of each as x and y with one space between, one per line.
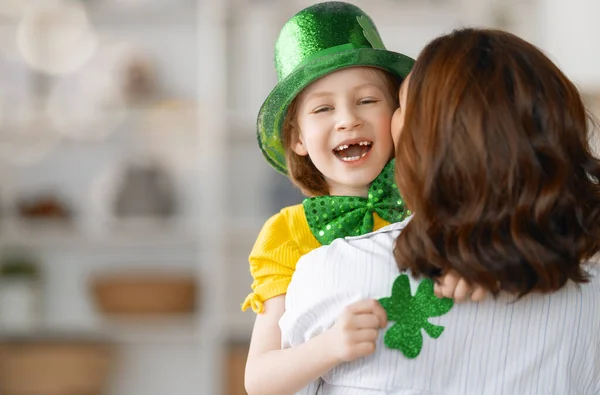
55 37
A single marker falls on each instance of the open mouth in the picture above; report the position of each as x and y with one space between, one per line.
353 152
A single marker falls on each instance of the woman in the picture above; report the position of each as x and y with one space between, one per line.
494 161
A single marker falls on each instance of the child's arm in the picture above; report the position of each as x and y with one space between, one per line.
273 371
452 286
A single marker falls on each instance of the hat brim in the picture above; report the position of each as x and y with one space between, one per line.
272 112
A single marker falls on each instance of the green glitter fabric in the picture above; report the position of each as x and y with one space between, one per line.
317 41
411 313
333 217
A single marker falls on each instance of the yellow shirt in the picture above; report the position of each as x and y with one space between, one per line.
284 238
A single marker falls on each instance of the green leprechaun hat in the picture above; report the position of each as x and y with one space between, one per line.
317 41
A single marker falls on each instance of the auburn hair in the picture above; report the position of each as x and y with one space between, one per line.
495 163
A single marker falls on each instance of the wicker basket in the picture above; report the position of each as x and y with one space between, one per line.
145 294
54 368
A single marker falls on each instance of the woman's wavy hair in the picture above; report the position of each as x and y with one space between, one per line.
494 160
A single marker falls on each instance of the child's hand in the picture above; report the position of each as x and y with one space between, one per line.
452 286
356 330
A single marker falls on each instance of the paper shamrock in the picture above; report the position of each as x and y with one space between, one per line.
411 313
370 33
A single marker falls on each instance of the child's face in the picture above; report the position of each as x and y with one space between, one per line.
398 118
344 121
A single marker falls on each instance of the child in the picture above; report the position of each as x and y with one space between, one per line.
338 45
327 126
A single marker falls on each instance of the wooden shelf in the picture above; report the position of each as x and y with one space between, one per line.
54 234
125 330
152 330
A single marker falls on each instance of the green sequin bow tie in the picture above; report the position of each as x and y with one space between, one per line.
334 217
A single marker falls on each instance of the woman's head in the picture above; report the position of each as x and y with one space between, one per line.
337 131
493 159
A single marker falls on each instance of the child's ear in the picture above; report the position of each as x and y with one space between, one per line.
298 145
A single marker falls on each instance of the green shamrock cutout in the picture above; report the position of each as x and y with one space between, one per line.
411 313
370 33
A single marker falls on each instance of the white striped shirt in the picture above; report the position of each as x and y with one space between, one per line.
539 345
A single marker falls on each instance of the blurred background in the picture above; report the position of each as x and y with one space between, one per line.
132 188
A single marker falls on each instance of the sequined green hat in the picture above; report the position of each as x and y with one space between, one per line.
317 41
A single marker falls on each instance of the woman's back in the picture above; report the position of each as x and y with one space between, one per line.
540 344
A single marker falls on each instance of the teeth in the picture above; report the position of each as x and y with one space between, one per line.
353 158
343 147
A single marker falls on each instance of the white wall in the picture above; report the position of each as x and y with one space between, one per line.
569 32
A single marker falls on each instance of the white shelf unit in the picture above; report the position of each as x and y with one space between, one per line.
179 355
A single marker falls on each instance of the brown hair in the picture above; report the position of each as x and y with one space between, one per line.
302 172
494 161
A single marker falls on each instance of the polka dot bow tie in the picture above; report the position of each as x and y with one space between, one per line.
333 217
